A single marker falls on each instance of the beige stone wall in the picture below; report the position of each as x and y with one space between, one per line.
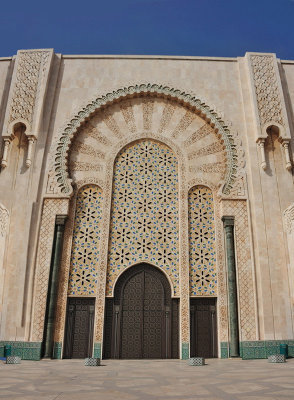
65 85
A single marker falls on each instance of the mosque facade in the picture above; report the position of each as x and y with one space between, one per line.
146 206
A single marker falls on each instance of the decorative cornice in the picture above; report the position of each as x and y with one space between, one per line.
196 105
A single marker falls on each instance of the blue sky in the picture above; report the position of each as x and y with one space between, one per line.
226 28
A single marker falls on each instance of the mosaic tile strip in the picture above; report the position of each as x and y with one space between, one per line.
86 238
97 350
57 350
144 222
24 350
203 276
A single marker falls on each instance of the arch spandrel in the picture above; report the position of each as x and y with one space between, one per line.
138 110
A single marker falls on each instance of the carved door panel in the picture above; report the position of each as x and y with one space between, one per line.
141 321
203 330
154 334
79 328
132 317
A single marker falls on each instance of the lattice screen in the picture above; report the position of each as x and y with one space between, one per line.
203 276
86 237
144 222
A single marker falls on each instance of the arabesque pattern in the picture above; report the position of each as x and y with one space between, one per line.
86 239
144 223
203 276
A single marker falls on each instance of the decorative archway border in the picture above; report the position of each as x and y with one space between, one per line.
63 146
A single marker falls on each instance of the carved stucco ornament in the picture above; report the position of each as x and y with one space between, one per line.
60 175
4 217
289 218
270 106
26 98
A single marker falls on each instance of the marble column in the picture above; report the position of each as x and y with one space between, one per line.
232 286
53 285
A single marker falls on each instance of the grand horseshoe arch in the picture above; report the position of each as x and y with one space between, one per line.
60 169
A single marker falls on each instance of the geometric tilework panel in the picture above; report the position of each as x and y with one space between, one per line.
144 222
85 245
246 291
203 276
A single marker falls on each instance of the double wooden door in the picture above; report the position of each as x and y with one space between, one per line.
78 341
140 320
203 330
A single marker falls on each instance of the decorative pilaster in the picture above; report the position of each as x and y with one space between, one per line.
27 97
7 141
31 141
53 284
260 143
268 99
232 286
285 144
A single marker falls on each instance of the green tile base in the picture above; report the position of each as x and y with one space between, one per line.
264 348
185 351
259 349
57 350
224 350
97 350
24 350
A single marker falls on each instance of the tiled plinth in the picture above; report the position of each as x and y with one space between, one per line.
277 358
92 362
196 361
13 360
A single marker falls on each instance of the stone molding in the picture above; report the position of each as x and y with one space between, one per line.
289 218
4 218
60 181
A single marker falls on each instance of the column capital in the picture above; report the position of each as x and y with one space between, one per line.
228 221
60 219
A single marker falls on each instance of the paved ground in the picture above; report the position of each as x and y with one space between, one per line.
146 380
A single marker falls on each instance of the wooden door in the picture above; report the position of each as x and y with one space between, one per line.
203 330
142 319
79 328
